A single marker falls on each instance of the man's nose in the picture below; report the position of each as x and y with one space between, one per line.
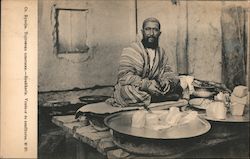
151 32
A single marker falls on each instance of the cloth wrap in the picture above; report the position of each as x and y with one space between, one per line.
134 76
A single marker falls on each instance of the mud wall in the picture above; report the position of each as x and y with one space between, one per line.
108 30
191 35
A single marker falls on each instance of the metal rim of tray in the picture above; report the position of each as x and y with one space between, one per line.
229 118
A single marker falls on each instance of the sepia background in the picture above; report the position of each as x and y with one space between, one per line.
16 79
80 42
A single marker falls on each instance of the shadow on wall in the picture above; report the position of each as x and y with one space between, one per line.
234 42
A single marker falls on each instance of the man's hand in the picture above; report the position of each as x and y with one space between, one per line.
154 88
166 88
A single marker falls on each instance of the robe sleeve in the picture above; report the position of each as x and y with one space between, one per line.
131 89
167 77
131 69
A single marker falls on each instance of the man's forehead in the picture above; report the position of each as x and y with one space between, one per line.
151 20
151 24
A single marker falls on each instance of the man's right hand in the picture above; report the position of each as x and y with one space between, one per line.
154 88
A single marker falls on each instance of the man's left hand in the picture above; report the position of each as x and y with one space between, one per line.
154 88
165 87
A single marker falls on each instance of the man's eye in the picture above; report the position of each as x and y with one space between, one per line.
155 29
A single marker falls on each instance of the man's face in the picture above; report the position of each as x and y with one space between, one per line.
151 33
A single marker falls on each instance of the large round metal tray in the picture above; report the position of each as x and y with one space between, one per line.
121 123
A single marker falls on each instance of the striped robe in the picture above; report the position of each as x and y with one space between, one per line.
134 72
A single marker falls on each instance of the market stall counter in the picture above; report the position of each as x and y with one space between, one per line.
222 139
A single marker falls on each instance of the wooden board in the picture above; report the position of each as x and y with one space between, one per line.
105 145
117 153
103 141
60 120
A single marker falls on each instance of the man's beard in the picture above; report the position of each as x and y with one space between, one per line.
152 45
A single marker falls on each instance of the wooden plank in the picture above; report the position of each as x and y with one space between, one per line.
85 129
168 104
106 144
117 154
101 140
71 127
91 136
61 120
56 121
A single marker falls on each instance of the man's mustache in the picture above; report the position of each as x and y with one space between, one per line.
151 37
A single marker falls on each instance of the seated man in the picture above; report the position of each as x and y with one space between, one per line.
144 75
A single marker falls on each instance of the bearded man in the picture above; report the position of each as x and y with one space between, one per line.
144 75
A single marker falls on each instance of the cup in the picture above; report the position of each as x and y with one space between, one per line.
237 109
216 110
190 80
183 82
